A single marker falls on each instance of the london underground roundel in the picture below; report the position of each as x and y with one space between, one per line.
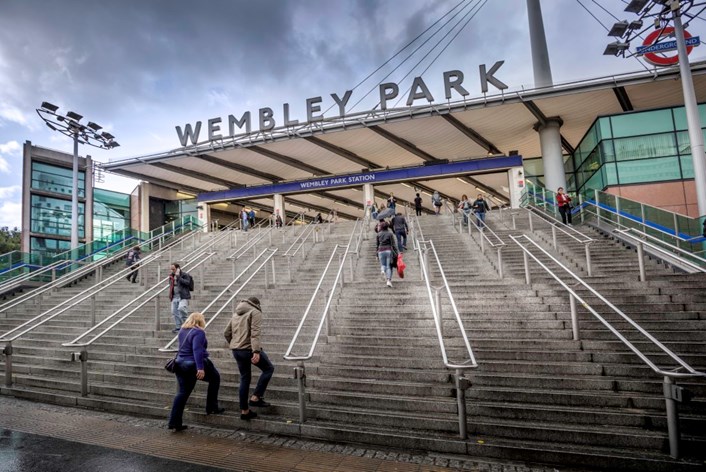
652 51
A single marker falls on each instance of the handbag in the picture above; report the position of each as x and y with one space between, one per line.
401 266
170 366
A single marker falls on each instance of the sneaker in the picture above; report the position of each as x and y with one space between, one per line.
177 428
248 416
261 402
389 283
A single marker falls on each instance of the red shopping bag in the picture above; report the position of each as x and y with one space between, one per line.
401 266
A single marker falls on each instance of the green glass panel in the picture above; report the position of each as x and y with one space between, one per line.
687 166
533 167
649 170
53 216
604 130
680 122
643 147
636 124
611 174
607 151
597 181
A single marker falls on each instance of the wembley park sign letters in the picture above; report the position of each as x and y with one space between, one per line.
453 81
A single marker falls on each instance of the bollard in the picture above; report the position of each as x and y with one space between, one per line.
671 394
574 317
300 375
462 385
8 363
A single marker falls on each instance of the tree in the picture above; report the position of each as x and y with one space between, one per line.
9 239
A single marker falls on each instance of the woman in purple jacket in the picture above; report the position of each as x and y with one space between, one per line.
192 363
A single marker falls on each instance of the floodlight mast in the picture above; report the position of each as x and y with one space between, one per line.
677 8
69 125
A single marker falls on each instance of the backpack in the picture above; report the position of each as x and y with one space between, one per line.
130 257
191 282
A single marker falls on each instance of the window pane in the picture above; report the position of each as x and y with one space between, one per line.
604 131
636 124
649 170
611 174
680 117
533 167
687 167
56 179
53 216
642 147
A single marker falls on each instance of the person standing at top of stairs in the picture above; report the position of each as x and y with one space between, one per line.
418 205
563 201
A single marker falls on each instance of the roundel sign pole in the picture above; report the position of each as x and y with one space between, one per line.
651 48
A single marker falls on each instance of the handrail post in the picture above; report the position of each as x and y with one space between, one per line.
426 264
83 357
93 310
350 264
514 225
581 206
300 375
267 277
289 268
669 390
340 261
437 303
100 273
482 239
574 318
544 199
642 215
201 278
598 208
8 363
676 230
554 236
641 261
528 279
274 277
530 221
500 261
157 320
462 385
589 270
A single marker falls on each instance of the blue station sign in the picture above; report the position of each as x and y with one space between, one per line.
450 169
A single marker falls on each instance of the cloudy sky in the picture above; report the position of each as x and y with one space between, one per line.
139 68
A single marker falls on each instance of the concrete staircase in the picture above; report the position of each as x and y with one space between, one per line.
379 378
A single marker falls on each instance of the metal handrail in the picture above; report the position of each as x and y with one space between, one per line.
91 267
299 371
671 392
241 251
557 225
462 384
498 245
18 279
305 235
269 258
639 243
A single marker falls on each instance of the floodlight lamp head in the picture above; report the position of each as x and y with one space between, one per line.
636 6
619 29
616 48
49 106
74 116
107 135
94 126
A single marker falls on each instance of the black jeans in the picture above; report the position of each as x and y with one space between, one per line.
132 276
418 210
186 381
244 359
565 211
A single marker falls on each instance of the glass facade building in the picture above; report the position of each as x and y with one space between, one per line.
111 214
633 148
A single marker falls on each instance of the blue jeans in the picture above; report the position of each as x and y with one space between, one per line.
385 259
401 239
179 307
186 381
244 359
481 218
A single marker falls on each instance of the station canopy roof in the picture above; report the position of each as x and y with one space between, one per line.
474 128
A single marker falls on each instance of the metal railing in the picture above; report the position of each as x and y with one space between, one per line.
299 370
298 244
21 279
268 258
486 235
89 293
250 245
559 227
672 393
434 293
684 256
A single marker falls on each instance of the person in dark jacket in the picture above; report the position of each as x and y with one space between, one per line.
418 205
179 295
243 335
192 364
400 228
386 248
251 218
133 256
480 206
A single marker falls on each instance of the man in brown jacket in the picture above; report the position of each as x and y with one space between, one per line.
243 336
